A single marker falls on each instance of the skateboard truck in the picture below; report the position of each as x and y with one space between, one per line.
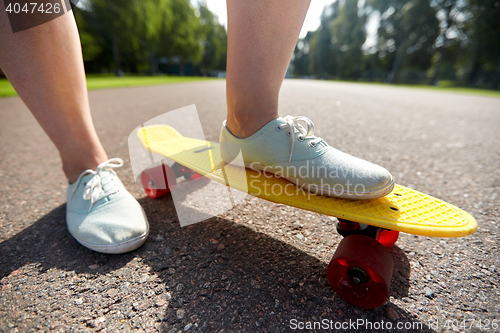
161 179
385 236
182 171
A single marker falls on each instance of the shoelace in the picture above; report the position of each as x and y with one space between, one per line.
293 124
93 189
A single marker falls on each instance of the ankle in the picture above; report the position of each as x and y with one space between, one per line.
243 125
73 168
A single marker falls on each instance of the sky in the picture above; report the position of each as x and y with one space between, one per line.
311 23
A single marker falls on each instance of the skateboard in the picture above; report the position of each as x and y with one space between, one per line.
361 268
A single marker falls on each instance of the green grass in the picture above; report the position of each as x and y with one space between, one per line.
444 88
459 90
6 88
103 81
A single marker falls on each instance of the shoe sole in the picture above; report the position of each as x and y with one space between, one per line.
124 247
120 248
328 191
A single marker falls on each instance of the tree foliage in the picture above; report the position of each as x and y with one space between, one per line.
215 48
483 30
140 35
417 41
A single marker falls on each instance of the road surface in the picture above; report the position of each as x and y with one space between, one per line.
259 267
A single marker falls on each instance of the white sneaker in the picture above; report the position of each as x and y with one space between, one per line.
102 215
306 160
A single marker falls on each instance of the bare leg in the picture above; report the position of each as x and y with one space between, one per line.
45 66
261 37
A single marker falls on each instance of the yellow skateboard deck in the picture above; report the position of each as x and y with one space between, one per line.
404 209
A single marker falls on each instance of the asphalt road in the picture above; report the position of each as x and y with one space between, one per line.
259 266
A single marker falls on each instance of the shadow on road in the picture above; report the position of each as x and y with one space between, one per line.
218 273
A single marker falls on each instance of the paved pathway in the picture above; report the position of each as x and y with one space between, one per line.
260 265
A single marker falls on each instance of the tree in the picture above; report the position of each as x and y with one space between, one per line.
334 49
185 38
90 45
322 55
300 60
408 29
348 34
109 19
215 45
484 31
149 19
451 35
133 35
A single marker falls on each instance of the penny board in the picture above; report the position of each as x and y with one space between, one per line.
404 209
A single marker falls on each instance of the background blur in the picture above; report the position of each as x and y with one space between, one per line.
436 42
150 36
444 42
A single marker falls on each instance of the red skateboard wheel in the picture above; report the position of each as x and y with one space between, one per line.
155 180
387 237
360 271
